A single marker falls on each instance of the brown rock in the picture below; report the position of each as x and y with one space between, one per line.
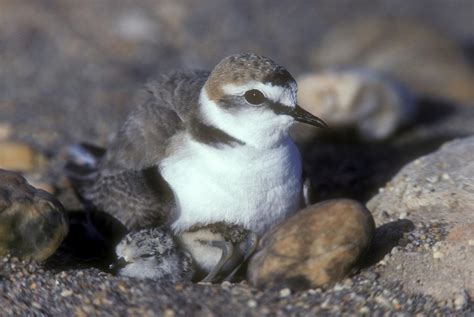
19 157
373 104
5 131
317 246
425 59
32 222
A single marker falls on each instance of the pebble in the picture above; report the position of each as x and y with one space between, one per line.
383 301
5 131
285 292
66 293
33 223
305 251
348 282
19 157
461 301
364 310
252 303
312 291
169 313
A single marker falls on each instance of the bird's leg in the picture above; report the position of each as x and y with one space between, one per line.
227 253
250 246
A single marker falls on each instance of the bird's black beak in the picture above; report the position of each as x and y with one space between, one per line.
120 263
304 116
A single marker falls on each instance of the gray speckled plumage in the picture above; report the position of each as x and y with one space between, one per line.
153 253
167 108
125 182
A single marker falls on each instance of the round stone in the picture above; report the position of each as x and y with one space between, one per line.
32 222
317 246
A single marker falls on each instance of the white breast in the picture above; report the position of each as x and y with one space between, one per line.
242 185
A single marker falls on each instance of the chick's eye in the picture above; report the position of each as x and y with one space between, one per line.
146 255
254 96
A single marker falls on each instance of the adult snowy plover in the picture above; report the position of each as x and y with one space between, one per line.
203 148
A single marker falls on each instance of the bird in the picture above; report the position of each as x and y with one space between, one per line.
152 253
221 247
202 148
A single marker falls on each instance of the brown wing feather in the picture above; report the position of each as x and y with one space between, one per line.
126 182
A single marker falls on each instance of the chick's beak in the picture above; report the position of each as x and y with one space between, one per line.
120 263
304 116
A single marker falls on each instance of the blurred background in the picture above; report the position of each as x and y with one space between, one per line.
70 70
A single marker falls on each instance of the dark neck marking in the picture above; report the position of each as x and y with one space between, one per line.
156 183
211 135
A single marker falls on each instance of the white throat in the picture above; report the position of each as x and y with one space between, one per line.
257 127
241 185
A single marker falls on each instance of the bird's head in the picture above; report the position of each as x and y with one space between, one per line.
253 99
138 254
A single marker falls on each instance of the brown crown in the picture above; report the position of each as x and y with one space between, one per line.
242 68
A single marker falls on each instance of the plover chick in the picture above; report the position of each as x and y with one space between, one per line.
154 254
204 147
220 249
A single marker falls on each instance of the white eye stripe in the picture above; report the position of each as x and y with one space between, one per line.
286 96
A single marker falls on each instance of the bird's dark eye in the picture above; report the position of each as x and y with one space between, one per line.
146 255
254 96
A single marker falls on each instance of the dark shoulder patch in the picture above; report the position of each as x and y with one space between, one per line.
157 184
211 135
